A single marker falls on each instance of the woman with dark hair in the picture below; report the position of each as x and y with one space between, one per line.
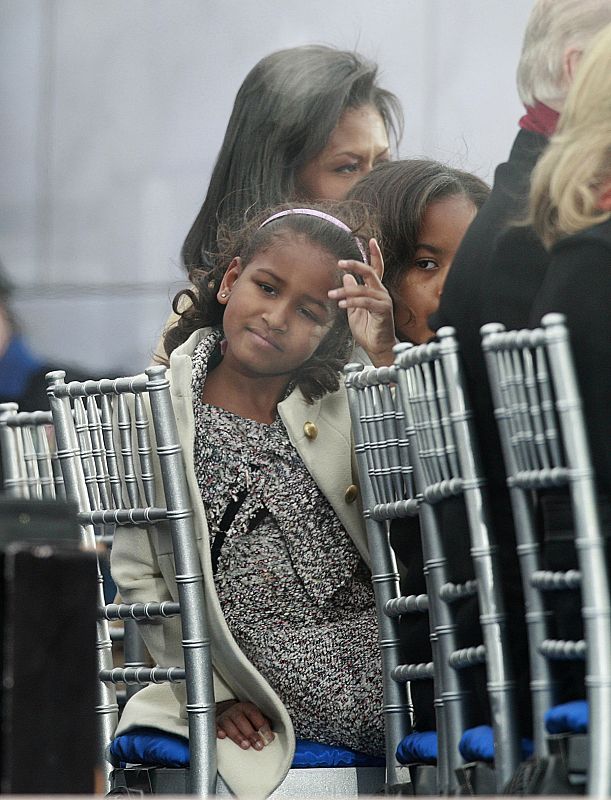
423 210
307 123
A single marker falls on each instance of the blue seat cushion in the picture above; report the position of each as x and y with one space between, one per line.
150 747
477 744
153 747
418 747
315 754
568 717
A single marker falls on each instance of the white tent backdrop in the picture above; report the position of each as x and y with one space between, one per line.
113 112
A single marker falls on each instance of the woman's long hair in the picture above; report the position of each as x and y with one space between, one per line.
283 116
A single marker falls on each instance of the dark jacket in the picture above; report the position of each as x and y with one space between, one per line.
578 284
22 380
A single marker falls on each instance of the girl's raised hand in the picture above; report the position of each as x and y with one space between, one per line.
243 723
369 307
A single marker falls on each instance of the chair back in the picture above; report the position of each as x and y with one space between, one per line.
386 482
110 455
446 464
29 456
543 435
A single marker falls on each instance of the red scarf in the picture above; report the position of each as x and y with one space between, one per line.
604 201
540 119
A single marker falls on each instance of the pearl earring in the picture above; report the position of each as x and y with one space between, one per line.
223 294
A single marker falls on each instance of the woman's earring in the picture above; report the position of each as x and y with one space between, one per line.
223 294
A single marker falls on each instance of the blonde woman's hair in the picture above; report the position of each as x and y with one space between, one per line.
567 181
555 26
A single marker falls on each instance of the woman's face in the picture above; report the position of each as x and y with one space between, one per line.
357 143
443 227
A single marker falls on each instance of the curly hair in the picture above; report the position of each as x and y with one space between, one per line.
320 373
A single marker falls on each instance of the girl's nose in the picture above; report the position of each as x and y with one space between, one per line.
276 317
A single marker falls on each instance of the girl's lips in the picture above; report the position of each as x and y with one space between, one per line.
264 340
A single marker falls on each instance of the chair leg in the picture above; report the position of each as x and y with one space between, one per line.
149 780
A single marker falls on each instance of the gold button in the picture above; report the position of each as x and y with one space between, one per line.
310 430
352 492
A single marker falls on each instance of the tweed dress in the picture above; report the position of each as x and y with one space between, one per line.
294 589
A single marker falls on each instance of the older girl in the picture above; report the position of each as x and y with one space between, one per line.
423 209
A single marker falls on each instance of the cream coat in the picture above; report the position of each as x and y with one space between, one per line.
142 566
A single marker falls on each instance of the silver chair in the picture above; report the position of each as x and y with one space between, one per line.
446 465
387 490
389 473
543 435
29 456
112 482
31 470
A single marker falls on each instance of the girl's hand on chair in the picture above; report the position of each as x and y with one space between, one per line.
369 306
243 723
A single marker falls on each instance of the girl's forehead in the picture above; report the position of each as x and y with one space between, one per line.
292 251
302 266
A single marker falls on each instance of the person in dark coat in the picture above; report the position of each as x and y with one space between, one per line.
22 371
571 213
497 272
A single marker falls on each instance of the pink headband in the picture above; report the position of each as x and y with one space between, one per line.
312 212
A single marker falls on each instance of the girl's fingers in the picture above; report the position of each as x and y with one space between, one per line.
233 732
373 304
266 734
349 295
352 288
245 725
377 261
263 733
260 723
376 268
356 290
367 273
254 716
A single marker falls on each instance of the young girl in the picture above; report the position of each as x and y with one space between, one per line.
255 362
423 209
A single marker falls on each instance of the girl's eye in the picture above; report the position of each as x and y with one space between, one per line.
308 314
426 264
267 288
349 168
